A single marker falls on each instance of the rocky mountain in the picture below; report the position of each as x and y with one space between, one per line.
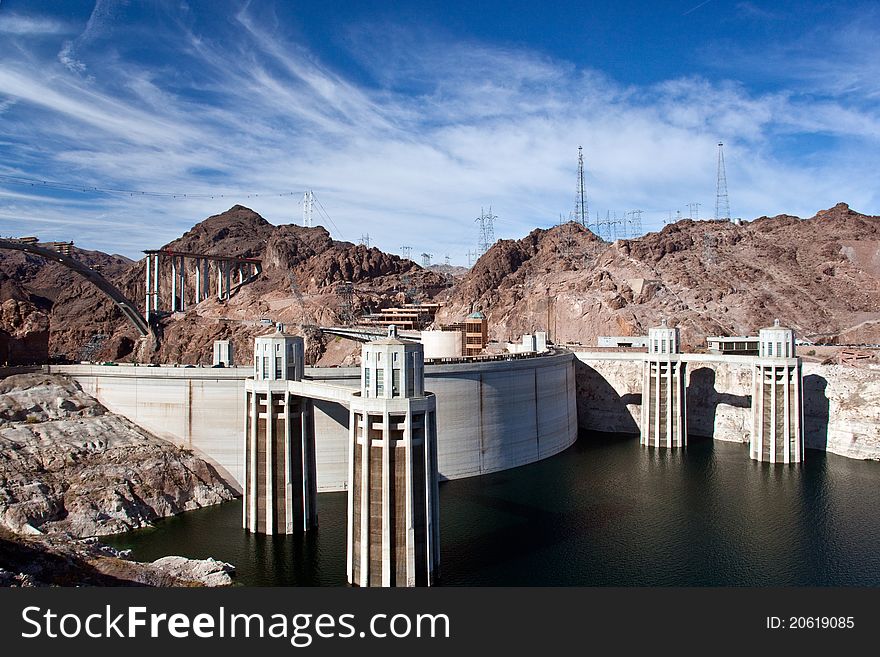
298 286
820 275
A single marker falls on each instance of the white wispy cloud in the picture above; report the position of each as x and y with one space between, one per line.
23 25
441 128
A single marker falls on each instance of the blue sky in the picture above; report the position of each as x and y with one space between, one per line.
407 118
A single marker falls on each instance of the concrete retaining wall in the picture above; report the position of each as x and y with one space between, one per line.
490 416
841 404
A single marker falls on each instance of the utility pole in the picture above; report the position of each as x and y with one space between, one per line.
722 202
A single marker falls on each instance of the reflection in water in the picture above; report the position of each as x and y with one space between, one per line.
605 512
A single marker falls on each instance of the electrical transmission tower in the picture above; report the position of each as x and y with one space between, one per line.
365 240
613 227
722 203
581 209
426 260
406 252
446 258
473 256
633 227
603 228
345 291
308 204
487 230
694 211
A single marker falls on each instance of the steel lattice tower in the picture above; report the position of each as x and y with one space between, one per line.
487 230
722 203
581 209
308 204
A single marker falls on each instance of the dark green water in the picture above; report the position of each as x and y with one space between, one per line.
605 512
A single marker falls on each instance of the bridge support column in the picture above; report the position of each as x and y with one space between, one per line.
198 280
155 282
280 485
664 393
182 283
393 512
148 288
174 284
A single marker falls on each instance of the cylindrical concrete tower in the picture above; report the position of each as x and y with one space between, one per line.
279 487
393 512
777 399
664 398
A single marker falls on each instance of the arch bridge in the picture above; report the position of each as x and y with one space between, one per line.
95 278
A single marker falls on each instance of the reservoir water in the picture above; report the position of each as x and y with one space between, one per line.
604 512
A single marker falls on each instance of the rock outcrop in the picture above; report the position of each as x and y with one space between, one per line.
56 560
68 465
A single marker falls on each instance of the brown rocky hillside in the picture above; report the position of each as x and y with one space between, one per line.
821 275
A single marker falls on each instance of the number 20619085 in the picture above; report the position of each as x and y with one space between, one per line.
810 622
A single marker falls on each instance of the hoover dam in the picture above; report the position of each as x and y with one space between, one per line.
492 415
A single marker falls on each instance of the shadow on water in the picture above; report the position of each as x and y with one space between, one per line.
816 411
703 402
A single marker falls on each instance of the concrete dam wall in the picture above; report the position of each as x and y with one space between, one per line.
491 416
841 404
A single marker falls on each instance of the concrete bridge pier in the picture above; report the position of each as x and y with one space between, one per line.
664 398
393 512
777 399
279 483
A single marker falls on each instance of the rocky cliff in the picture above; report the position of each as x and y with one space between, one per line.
68 465
70 471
